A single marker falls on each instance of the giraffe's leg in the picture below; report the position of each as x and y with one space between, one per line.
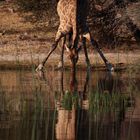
95 44
61 62
59 35
86 53
73 81
74 51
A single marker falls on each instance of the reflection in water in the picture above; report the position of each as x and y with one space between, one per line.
69 106
72 111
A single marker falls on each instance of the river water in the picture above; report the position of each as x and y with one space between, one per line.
85 105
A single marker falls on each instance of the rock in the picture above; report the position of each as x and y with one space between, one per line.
98 8
118 15
2 33
10 10
24 36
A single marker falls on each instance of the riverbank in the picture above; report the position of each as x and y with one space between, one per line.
119 60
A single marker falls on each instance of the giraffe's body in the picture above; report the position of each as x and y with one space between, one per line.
66 10
72 15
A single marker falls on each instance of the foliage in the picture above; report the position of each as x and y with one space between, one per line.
108 19
40 9
34 5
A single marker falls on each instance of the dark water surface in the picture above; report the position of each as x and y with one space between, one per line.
88 106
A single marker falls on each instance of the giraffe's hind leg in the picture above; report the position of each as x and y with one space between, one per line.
59 35
95 45
86 53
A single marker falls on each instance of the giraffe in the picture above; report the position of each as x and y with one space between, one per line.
73 20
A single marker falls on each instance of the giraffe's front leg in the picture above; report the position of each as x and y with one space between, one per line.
95 45
41 65
59 35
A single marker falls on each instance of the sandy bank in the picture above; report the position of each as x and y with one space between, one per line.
28 61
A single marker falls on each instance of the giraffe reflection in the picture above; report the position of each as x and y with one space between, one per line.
81 109
65 126
67 106
74 112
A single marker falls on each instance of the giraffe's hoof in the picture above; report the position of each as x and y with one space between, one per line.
39 68
110 67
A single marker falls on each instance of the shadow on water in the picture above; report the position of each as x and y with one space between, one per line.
69 106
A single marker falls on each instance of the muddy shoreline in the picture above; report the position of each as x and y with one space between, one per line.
120 61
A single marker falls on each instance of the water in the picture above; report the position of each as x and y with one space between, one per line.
68 106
